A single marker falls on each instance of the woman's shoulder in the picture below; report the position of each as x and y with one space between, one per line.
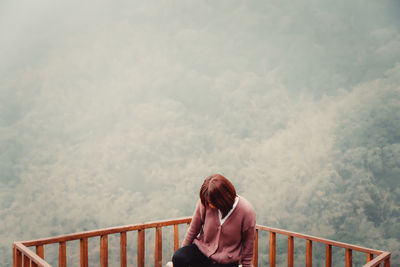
245 205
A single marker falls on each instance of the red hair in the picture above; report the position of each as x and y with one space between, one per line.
218 191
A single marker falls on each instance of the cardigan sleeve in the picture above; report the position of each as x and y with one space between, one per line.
195 225
248 236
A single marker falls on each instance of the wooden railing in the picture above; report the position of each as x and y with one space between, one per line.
23 256
382 256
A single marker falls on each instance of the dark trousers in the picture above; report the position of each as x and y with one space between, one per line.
192 256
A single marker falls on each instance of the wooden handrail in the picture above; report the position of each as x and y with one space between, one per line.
23 255
384 257
105 231
320 240
21 252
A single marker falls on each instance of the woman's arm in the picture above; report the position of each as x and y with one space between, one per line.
248 246
248 236
195 225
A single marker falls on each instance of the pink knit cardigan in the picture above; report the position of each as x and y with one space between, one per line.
230 242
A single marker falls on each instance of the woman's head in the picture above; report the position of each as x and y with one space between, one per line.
218 191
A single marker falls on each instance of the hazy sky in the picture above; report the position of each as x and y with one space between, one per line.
113 113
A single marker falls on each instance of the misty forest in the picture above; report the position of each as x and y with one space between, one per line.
114 112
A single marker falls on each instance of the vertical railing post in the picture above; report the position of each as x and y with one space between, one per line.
328 256
349 258
272 248
123 249
40 251
255 256
387 262
27 261
84 252
14 252
309 253
370 257
158 247
140 248
290 251
18 258
104 251
62 254
176 237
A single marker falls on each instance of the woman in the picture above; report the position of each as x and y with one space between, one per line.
222 229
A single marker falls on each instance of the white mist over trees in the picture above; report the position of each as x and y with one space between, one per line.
114 113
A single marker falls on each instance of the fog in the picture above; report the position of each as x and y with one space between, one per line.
114 113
